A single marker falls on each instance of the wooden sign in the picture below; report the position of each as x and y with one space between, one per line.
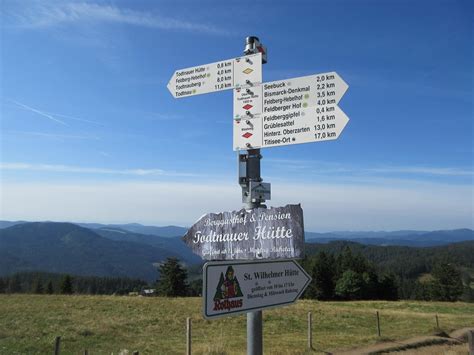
260 233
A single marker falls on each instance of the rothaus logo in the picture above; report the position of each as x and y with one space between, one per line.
228 292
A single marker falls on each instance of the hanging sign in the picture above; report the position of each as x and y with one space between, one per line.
260 233
231 288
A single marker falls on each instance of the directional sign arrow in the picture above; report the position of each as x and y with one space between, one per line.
237 287
259 233
298 126
304 126
293 111
226 74
306 91
281 96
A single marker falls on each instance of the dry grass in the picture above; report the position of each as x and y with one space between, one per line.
106 324
459 349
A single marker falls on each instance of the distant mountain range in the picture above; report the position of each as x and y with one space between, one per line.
134 250
167 231
70 248
400 238
383 238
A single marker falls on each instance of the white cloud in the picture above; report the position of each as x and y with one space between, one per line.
39 112
324 167
50 15
54 135
422 206
78 169
74 118
326 207
52 116
155 116
424 170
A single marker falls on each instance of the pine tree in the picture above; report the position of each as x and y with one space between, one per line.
345 261
14 284
38 287
49 288
387 288
195 288
173 277
350 285
323 275
421 291
370 286
467 295
66 285
3 285
447 283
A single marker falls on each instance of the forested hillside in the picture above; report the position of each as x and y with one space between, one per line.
344 269
68 248
51 283
350 270
404 261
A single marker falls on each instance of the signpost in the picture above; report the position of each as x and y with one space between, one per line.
259 233
222 75
239 287
293 111
284 112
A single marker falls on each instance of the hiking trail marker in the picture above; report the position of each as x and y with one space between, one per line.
239 287
223 75
284 112
292 111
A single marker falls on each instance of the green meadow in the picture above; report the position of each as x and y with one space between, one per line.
110 324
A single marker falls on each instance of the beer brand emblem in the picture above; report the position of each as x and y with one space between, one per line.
228 288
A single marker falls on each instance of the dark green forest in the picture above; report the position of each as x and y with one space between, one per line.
351 271
340 270
416 272
348 275
51 283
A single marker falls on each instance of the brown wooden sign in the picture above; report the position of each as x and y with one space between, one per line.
260 233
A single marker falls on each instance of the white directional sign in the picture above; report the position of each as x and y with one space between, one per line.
299 110
226 74
238 287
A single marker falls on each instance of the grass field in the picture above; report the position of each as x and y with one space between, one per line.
106 324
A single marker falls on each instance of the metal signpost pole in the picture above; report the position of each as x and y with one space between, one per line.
252 163
296 110
254 319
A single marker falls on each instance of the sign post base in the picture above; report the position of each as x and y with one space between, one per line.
254 333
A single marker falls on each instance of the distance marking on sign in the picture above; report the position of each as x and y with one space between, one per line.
223 75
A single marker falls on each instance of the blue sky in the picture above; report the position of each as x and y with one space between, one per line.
89 131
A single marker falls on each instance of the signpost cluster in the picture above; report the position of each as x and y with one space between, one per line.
293 111
251 252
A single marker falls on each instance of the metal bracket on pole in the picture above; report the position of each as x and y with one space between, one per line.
254 191
253 46
257 192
